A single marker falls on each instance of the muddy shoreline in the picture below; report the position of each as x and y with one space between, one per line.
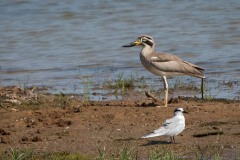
67 123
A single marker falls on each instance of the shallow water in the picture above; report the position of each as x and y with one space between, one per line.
54 43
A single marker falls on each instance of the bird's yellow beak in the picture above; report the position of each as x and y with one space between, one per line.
136 43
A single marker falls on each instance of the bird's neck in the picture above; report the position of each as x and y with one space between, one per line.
178 114
147 50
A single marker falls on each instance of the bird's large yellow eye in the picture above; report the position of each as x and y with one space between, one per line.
143 40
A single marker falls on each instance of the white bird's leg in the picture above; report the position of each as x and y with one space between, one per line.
166 90
174 140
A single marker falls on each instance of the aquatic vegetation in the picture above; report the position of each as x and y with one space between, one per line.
121 84
207 91
86 92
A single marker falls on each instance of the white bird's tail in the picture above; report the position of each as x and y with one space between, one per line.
153 134
149 135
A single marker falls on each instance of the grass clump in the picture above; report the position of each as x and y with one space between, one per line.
131 153
209 152
60 100
121 84
86 91
127 154
207 92
62 156
184 85
18 154
162 153
101 153
30 154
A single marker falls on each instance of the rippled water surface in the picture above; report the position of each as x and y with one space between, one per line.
58 43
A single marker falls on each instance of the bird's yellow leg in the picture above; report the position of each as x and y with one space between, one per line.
166 92
166 98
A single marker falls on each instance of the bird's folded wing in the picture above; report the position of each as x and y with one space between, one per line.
170 63
164 57
171 123
166 62
197 67
168 124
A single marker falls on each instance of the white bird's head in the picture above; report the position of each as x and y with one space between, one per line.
179 111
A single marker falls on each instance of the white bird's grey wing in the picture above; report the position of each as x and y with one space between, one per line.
167 126
172 64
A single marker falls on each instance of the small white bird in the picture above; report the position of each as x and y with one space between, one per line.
171 127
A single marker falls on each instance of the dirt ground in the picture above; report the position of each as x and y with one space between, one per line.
61 123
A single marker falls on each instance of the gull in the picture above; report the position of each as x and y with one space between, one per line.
171 127
164 64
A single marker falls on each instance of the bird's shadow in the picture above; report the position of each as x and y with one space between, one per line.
150 143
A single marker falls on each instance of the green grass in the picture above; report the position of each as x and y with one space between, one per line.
209 152
60 100
87 86
237 153
31 154
207 92
163 156
179 83
62 156
24 84
133 82
87 83
161 152
17 154
86 96
127 154
122 84
101 153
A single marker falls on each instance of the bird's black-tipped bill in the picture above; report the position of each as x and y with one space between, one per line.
185 112
129 45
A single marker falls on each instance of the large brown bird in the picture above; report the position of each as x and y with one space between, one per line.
164 64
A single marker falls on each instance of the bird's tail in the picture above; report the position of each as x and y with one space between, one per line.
153 134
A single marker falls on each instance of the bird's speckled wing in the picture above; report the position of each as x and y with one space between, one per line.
171 63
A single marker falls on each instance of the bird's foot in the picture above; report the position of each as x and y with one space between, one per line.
161 106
